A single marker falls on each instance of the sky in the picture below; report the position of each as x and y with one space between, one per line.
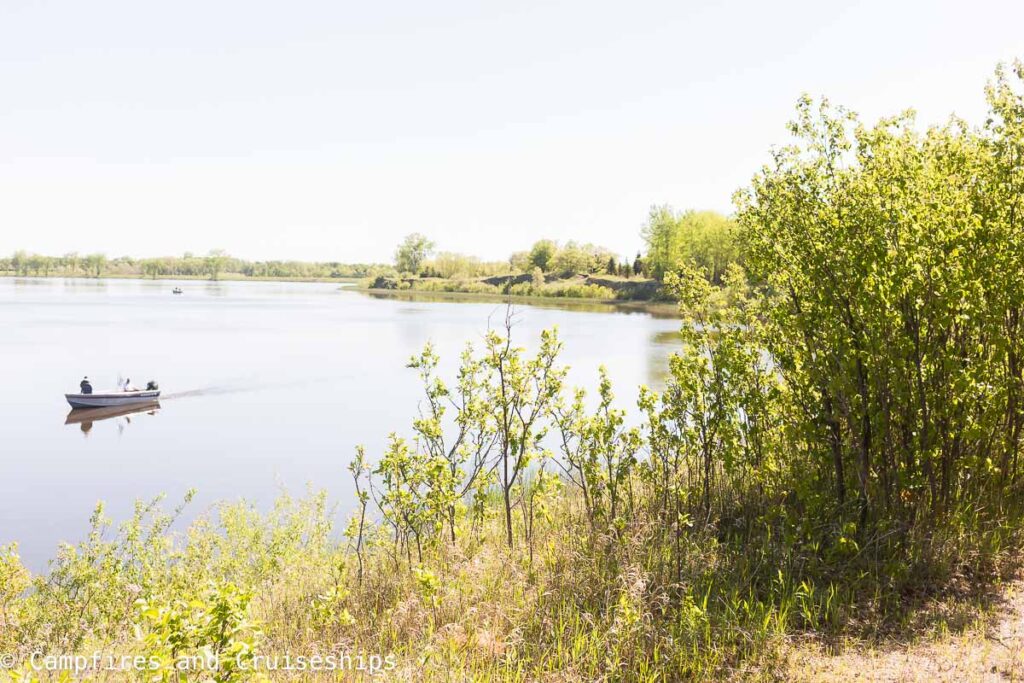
329 129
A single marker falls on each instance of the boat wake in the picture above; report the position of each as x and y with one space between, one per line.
235 388
207 391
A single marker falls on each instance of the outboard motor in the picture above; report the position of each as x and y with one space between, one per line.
152 385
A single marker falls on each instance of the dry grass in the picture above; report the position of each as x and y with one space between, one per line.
988 648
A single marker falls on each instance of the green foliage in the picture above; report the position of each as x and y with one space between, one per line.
463 286
428 586
893 259
537 277
599 454
566 260
210 634
458 460
95 263
575 259
541 255
212 266
450 265
357 526
522 392
214 263
14 581
703 239
500 403
564 290
412 252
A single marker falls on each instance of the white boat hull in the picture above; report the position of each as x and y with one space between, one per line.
111 399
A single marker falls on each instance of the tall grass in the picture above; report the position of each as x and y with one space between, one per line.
581 607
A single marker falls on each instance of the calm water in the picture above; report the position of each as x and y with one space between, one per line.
267 386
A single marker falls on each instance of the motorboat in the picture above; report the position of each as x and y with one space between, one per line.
109 399
177 290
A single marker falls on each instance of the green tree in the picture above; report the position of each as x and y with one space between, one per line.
71 262
412 252
523 390
575 259
449 265
638 265
537 278
542 254
405 495
95 263
599 453
151 268
36 263
214 262
519 262
894 257
704 238
461 457
19 262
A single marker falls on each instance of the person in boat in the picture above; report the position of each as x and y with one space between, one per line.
85 386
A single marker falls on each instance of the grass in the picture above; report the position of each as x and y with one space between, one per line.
568 606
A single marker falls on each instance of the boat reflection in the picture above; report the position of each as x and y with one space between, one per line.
84 417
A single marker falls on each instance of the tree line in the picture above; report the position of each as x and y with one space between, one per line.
705 239
212 266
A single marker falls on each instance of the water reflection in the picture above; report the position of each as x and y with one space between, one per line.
654 310
213 288
662 345
29 281
86 284
669 338
85 417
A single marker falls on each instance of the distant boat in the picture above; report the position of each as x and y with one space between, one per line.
176 290
109 399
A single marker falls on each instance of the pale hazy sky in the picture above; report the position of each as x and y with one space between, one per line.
328 129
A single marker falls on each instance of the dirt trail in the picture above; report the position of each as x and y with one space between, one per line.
992 653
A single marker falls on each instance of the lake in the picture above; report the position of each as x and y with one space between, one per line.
267 386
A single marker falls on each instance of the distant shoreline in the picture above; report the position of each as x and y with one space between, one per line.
226 277
658 309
